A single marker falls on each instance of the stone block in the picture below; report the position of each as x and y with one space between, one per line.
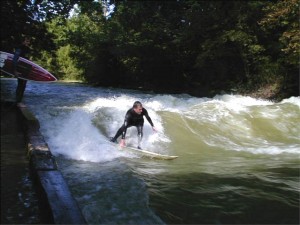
65 209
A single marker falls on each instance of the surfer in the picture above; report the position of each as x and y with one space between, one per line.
20 51
134 117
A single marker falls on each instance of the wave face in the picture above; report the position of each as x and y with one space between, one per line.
238 156
227 123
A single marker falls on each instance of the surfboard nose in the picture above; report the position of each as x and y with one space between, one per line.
27 69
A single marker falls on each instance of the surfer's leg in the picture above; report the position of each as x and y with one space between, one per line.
20 90
122 131
118 134
140 135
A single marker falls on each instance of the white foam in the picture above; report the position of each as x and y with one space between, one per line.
292 100
75 137
81 132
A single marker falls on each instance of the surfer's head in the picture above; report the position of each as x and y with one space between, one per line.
26 40
137 107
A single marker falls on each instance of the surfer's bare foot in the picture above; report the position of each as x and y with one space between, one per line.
17 74
21 105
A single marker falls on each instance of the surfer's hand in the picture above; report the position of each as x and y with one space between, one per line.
122 143
17 74
154 129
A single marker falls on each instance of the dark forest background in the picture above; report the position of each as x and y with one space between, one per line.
184 46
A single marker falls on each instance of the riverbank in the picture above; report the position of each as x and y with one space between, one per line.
275 91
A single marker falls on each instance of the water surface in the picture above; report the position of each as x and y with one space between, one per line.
238 156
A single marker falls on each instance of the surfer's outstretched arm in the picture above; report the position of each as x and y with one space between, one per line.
149 119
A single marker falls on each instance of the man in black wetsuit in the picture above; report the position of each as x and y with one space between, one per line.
134 117
21 51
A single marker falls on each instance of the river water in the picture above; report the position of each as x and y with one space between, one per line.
238 156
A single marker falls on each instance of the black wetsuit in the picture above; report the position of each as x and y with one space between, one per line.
133 119
21 51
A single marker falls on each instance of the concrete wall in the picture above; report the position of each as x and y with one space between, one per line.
57 202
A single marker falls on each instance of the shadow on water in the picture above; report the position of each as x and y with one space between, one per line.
108 193
200 198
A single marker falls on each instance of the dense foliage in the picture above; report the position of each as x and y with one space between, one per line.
198 47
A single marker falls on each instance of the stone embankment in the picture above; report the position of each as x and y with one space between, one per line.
56 201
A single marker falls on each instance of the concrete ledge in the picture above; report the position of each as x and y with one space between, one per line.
30 121
42 161
63 205
56 197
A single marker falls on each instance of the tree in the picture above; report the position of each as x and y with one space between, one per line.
284 17
199 47
281 24
16 20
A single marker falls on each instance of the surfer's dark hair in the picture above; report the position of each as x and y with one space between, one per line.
137 104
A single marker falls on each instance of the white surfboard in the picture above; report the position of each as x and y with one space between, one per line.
145 153
148 154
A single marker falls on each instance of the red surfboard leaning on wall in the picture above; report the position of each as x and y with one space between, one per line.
26 69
